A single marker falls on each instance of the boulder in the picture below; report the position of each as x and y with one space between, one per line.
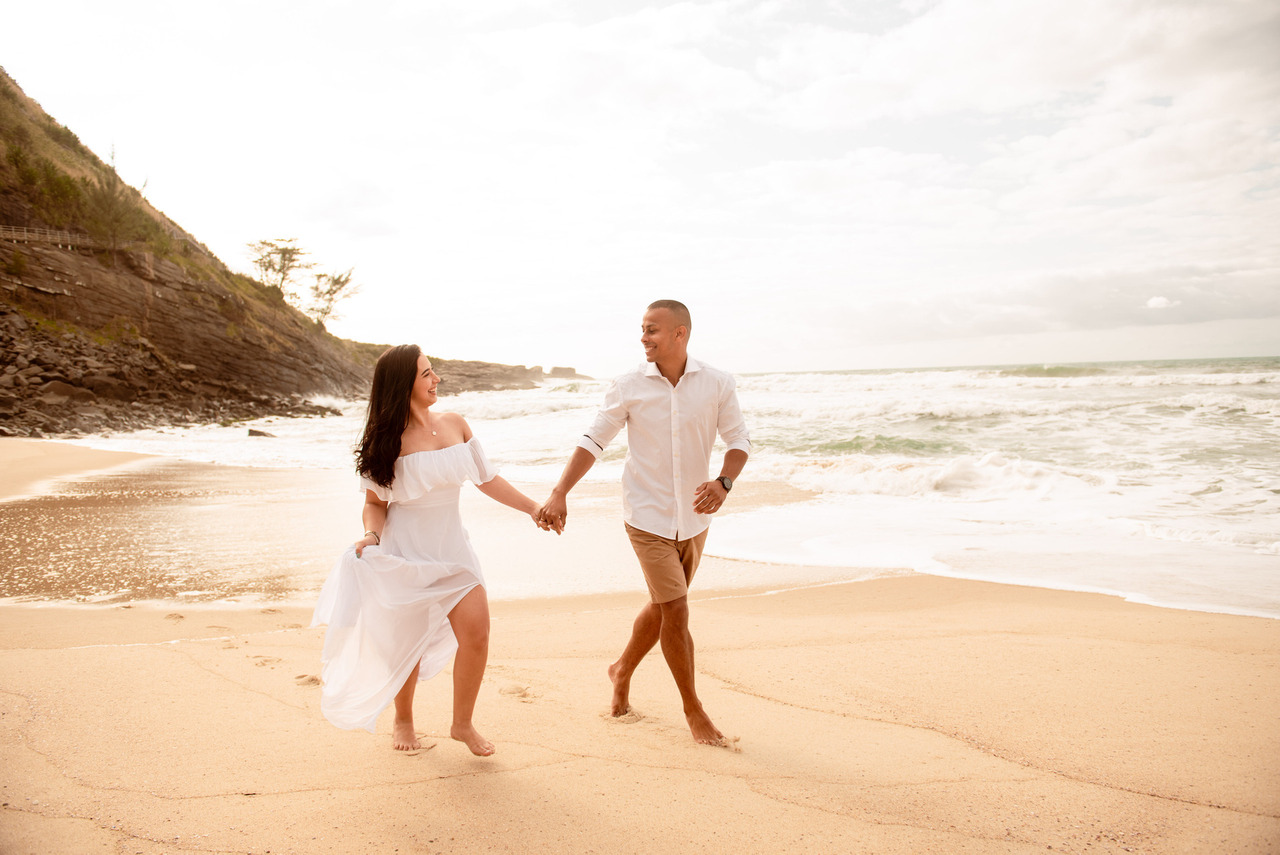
109 387
58 392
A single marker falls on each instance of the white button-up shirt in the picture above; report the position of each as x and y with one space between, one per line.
670 433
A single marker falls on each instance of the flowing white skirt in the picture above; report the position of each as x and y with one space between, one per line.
384 616
387 612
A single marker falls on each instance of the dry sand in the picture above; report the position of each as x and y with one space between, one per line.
902 715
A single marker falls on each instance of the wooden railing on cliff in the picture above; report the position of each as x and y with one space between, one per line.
73 240
70 240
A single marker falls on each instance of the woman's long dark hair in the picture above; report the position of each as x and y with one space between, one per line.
388 414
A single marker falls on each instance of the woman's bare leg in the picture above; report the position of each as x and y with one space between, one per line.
403 736
470 620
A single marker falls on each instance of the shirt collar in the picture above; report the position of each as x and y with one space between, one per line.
690 365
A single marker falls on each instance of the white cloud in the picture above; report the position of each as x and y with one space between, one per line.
1077 302
922 171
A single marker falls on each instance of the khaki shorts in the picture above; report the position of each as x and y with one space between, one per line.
668 564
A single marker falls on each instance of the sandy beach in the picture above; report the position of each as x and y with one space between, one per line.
898 715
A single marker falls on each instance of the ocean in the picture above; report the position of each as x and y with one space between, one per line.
1155 481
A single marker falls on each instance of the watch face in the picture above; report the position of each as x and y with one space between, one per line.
726 482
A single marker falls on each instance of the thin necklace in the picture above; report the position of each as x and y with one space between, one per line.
433 433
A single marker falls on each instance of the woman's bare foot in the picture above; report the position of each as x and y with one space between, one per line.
704 732
621 692
404 737
467 733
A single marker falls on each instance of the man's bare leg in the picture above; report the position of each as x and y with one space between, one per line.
677 647
644 635
470 621
403 736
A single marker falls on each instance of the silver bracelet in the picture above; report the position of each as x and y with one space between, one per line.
377 538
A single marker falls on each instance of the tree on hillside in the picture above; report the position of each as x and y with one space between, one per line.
278 261
329 290
111 214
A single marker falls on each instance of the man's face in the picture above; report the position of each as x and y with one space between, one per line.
658 334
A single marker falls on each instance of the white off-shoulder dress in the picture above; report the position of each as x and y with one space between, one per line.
389 609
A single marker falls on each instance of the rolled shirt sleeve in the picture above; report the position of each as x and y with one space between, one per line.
610 419
731 426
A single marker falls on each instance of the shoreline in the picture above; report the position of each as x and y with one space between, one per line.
30 464
51 473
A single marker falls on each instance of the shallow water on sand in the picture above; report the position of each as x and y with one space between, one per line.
173 530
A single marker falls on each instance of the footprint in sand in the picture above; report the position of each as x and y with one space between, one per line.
269 612
174 616
291 626
307 680
631 716
731 743
414 752
219 628
266 660
524 694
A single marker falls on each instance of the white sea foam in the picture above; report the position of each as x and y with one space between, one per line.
1155 481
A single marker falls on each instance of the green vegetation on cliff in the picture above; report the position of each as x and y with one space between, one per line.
50 180
101 293
80 247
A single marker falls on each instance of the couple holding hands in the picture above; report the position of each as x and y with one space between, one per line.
409 595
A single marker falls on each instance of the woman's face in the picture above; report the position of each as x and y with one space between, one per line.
424 386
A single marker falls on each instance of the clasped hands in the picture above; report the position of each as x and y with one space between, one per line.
707 499
552 515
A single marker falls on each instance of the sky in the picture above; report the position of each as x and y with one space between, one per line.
827 185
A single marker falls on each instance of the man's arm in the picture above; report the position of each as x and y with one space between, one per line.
735 459
709 497
555 510
609 420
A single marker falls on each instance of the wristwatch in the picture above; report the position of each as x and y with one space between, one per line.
726 482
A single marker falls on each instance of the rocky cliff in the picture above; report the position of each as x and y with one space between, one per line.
112 316
87 347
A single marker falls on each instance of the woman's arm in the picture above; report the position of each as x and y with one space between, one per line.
500 490
374 516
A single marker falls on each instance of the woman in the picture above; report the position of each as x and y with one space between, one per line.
409 593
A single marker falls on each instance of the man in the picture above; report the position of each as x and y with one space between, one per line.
672 409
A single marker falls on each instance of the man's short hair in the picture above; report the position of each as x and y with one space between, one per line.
680 310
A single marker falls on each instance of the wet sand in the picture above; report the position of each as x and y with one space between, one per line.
899 715
27 465
138 529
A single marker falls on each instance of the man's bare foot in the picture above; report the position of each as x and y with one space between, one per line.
621 692
479 746
704 732
403 737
